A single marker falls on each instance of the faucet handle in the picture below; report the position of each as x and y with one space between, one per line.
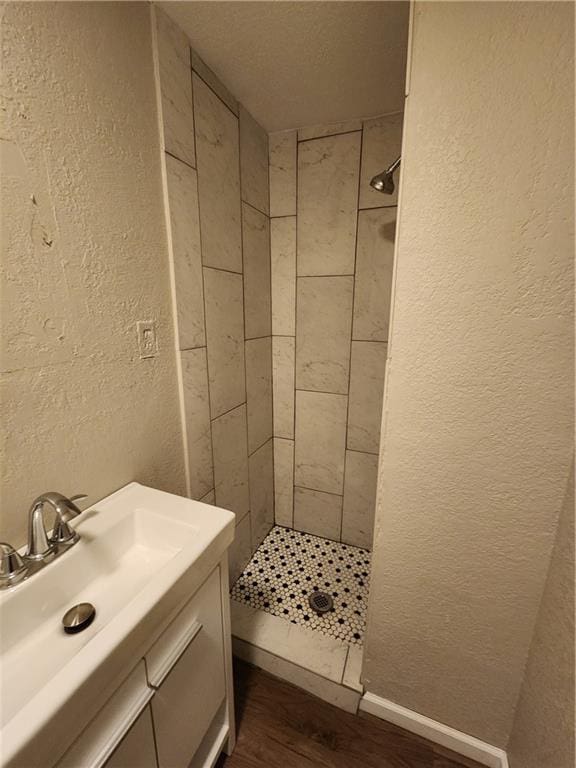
66 509
12 566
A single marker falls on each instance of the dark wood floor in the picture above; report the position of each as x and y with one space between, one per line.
281 726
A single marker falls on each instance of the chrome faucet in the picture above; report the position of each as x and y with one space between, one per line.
40 546
42 549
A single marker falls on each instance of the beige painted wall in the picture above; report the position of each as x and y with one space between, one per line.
543 733
83 258
478 407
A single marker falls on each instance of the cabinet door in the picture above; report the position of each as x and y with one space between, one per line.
190 691
121 734
137 749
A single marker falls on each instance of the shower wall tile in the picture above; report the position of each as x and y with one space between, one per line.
360 481
316 131
225 335
240 550
253 162
257 299
283 348
187 257
282 160
217 148
382 144
259 391
320 441
231 461
175 88
261 465
283 258
317 513
204 71
324 319
328 171
197 421
284 482
374 267
368 367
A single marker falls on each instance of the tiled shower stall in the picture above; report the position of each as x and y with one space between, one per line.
280 254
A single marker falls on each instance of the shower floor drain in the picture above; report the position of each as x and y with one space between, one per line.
321 602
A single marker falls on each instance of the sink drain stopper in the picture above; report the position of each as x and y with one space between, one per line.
321 602
78 618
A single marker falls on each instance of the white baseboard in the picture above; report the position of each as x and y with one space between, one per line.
458 742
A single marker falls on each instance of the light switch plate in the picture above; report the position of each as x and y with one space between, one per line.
147 339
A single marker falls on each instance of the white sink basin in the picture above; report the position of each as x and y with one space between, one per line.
135 564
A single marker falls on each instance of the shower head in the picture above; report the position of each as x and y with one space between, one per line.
384 182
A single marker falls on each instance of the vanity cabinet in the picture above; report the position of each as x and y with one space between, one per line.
174 709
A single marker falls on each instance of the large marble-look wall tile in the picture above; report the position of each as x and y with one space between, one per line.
203 70
284 482
187 258
283 384
176 88
282 157
318 513
261 465
283 258
360 480
328 170
374 268
225 335
259 391
257 299
324 319
367 370
320 441
240 550
382 144
217 147
197 421
231 461
316 131
253 162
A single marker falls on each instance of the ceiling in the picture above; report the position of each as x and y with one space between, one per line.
293 64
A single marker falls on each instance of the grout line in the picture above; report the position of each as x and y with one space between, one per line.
352 326
252 547
268 439
228 411
377 207
320 392
328 135
184 162
296 182
317 490
265 336
222 269
283 336
253 207
343 274
195 71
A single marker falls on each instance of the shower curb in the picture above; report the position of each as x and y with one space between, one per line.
457 741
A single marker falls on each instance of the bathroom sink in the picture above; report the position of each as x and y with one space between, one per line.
135 562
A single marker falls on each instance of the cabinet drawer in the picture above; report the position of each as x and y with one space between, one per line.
124 718
186 667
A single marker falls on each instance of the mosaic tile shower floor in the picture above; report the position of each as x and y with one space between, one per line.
289 565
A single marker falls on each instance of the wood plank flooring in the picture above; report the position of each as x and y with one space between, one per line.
281 726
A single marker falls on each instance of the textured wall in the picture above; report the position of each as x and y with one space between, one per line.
83 258
478 423
332 243
543 733
215 163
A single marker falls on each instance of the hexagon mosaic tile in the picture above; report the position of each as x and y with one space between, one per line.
289 565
